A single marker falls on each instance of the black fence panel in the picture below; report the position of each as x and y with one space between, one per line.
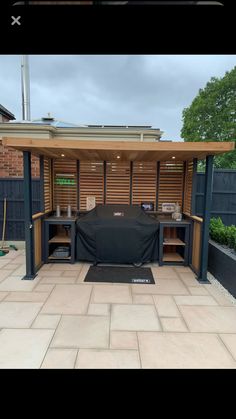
13 190
223 198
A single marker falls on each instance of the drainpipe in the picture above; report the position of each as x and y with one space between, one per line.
25 80
141 136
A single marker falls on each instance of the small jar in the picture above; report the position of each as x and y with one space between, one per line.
58 213
69 211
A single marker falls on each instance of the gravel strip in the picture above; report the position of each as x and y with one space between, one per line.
220 287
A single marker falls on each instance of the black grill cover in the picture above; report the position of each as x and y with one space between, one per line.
103 237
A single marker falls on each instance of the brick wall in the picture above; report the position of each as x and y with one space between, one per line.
11 163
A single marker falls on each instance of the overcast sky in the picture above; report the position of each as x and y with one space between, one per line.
120 89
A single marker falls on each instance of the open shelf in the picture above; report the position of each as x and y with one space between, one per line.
60 239
173 242
172 257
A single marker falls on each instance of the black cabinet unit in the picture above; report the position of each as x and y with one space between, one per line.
174 242
59 234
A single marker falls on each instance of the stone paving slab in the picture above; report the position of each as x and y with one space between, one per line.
163 286
99 309
183 350
46 321
57 280
166 306
111 294
134 317
212 319
15 283
71 299
218 296
195 300
18 315
230 342
123 340
82 332
107 359
3 275
173 324
44 288
198 290
3 295
142 299
23 348
59 359
34 297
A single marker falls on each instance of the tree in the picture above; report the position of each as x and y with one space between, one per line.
212 116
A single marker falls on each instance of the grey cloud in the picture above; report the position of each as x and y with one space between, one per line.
112 89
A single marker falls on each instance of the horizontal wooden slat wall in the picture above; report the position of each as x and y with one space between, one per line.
171 180
188 187
118 183
47 166
144 182
91 182
65 194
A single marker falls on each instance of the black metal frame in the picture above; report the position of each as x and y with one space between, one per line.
206 220
29 229
173 224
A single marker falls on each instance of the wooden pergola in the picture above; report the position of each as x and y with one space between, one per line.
117 172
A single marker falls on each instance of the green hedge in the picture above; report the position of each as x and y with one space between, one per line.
223 234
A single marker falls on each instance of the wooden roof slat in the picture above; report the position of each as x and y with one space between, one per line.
128 150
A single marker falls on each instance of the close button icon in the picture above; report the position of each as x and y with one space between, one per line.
16 20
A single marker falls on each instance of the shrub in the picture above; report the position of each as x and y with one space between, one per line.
223 234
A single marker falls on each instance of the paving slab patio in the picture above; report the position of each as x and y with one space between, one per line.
18 314
134 317
59 321
23 348
107 359
183 350
59 359
82 332
212 319
68 299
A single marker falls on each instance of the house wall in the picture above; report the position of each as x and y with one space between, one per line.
11 163
3 119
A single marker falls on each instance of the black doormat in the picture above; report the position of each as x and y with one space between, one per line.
119 274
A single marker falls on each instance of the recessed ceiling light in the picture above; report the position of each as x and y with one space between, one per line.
173 157
118 157
62 155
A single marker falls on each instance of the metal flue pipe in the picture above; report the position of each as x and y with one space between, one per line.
25 80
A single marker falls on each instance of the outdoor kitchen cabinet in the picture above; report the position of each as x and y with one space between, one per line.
59 231
174 240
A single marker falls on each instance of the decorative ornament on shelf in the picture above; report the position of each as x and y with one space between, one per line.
90 203
177 216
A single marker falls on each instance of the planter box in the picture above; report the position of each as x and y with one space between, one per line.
222 264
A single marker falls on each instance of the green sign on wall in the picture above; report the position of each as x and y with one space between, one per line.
64 181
